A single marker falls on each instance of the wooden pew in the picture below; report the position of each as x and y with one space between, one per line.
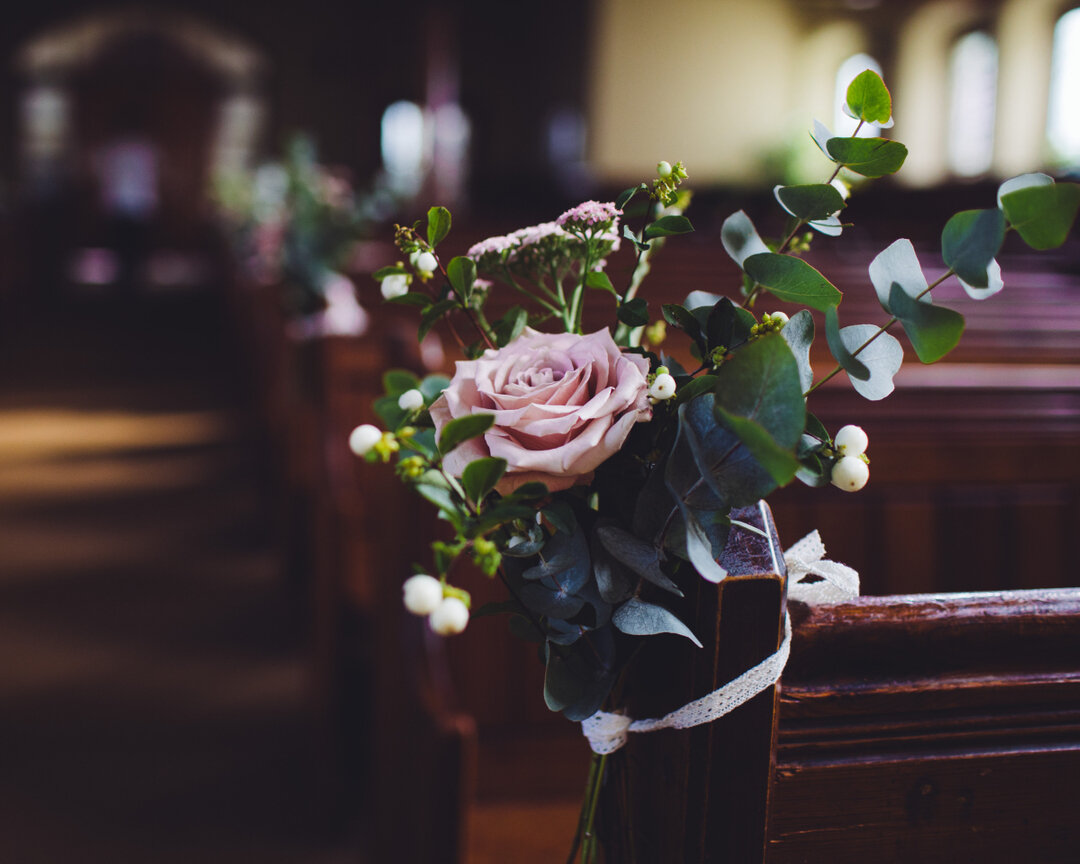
934 728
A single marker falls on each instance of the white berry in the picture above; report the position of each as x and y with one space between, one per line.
779 317
422 594
426 263
363 438
851 441
663 387
663 170
450 617
395 285
850 473
410 400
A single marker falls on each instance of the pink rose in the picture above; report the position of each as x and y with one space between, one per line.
563 404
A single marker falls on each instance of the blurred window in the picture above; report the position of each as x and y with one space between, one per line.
404 146
973 73
1063 117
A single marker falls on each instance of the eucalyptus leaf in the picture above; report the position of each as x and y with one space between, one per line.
564 564
463 429
870 157
579 678
728 325
481 475
882 358
813 201
740 238
970 241
899 264
778 461
799 334
933 330
851 364
638 618
668 226
994 283
868 98
438 225
792 279
639 556
1014 184
634 312
1043 215
432 387
398 381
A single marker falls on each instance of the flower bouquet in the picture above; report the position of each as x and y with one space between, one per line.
598 478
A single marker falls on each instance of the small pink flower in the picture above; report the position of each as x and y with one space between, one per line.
589 215
563 404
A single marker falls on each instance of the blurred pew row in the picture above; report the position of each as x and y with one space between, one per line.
975 485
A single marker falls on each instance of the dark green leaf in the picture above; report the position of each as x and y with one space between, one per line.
525 630
389 412
868 98
529 491
970 241
816 428
598 279
438 225
695 387
848 362
811 201
1043 215
397 381
799 334
634 313
740 238
779 462
637 618
579 678
883 357
792 279
461 272
463 429
727 325
899 264
639 556
871 157
481 475
510 326
627 194
668 226
432 315
933 330
679 317
432 387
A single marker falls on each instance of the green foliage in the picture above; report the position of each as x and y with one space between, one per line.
461 272
638 618
848 361
668 226
969 243
481 475
870 157
933 330
438 225
868 98
740 239
799 334
463 429
1042 215
634 313
793 280
879 353
600 280
811 201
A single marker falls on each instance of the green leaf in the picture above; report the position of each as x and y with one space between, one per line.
392 270
848 362
679 317
438 225
970 241
810 201
509 327
634 313
694 388
413 298
668 226
432 315
899 264
1043 215
1023 181
868 98
388 411
882 357
799 334
740 238
481 475
463 429
397 381
792 279
578 680
870 157
461 272
598 279
627 194
639 556
432 387
761 382
780 463
933 330
638 618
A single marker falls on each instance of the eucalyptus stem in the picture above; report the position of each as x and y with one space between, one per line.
838 368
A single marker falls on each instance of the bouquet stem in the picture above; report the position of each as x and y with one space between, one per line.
585 839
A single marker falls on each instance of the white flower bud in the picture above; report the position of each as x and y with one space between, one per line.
850 473
663 387
663 170
450 617
426 263
395 285
851 441
410 400
363 438
782 317
422 594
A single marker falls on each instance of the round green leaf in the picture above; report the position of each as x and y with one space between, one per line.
811 201
933 330
882 358
970 241
898 264
667 226
792 279
438 225
870 157
868 98
1043 215
740 238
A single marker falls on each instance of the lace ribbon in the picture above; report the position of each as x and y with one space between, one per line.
607 732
